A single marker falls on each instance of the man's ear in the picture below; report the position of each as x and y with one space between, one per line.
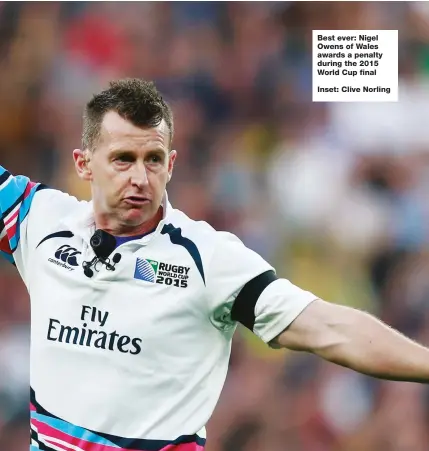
171 159
82 164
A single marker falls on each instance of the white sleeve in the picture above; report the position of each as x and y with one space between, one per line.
232 266
277 306
271 303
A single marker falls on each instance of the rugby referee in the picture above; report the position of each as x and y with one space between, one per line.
134 305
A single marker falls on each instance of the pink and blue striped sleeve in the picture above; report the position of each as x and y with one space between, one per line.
16 196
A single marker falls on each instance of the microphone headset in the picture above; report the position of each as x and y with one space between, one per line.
103 244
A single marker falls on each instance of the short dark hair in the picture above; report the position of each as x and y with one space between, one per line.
134 99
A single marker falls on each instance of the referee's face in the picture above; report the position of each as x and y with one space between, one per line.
128 170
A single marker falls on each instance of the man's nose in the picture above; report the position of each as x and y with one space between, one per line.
139 176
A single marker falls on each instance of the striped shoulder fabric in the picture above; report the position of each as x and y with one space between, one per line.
16 196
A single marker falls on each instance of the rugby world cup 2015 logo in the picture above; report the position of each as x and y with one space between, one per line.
146 270
162 273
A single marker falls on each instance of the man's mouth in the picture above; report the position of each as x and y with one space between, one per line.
137 200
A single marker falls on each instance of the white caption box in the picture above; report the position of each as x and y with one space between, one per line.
355 65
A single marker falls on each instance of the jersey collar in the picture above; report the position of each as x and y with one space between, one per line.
82 223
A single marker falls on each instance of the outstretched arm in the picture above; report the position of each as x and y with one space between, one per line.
356 340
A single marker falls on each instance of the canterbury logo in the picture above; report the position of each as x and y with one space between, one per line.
67 254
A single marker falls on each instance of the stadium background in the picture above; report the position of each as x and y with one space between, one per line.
335 195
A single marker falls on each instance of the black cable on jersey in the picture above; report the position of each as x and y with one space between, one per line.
243 309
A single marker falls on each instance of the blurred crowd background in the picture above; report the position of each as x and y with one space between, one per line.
334 195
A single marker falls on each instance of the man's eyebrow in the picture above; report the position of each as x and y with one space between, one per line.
115 152
157 150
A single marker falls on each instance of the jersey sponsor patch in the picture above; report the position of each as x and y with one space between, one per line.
66 257
163 273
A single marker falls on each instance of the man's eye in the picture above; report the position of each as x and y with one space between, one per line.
124 158
155 159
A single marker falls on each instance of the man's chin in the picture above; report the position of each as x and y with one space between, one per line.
135 217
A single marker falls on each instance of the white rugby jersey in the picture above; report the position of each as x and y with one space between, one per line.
136 358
